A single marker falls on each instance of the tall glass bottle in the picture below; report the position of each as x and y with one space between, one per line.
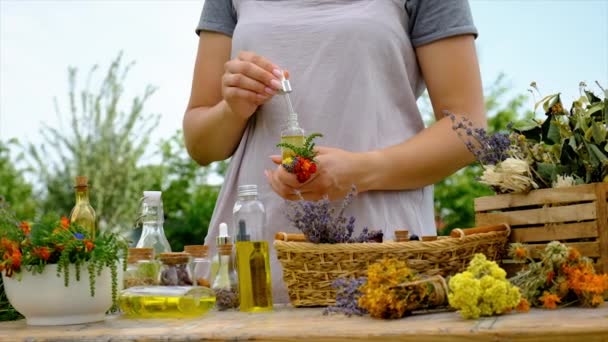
252 254
82 213
152 217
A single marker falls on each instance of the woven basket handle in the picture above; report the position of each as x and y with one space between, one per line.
288 237
461 233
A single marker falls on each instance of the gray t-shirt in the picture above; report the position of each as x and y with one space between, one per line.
355 78
430 20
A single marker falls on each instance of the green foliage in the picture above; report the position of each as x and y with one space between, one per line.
14 189
188 199
57 241
455 194
571 143
306 151
104 141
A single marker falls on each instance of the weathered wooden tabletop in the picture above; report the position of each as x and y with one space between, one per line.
286 323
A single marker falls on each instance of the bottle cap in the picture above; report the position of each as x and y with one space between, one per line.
285 85
223 238
82 181
248 190
152 196
196 251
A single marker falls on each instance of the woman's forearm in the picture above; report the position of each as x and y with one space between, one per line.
212 133
425 159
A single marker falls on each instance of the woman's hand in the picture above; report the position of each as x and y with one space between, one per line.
337 171
249 80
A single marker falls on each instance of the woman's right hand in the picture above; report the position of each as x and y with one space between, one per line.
249 81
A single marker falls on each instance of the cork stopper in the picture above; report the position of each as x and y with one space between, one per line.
402 235
174 258
225 249
82 181
429 238
197 251
136 254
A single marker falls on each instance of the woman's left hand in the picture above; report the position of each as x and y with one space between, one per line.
337 171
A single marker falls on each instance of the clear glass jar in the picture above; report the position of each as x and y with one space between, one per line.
142 269
225 283
174 269
200 265
152 219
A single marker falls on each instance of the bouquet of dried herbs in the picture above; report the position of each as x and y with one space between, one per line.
560 276
390 290
321 222
483 290
303 163
568 147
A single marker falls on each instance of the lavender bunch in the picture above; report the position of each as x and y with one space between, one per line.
368 236
322 223
347 297
488 149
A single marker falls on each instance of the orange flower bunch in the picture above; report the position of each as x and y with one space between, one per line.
561 276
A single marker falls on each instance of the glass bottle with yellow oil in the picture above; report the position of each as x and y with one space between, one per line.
83 213
166 301
252 254
291 133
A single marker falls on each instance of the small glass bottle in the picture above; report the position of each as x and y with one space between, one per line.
292 134
200 265
83 214
252 254
152 216
175 270
225 284
142 269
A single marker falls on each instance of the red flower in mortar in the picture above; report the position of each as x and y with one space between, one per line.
303 163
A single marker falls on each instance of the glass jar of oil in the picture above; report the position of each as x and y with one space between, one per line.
166 301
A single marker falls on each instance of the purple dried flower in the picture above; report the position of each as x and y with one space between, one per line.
488 149
319 221
347 297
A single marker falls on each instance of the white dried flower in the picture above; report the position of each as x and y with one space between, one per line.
563 182
516 166
511 175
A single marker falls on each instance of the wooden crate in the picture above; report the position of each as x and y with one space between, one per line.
575 215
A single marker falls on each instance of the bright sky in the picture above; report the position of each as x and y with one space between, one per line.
555 43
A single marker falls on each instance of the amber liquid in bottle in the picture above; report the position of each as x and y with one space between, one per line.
83 213
255 284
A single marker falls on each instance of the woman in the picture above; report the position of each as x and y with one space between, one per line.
357 68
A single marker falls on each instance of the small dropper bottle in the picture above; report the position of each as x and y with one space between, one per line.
291 133
225 284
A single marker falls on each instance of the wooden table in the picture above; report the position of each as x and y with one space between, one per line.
286 323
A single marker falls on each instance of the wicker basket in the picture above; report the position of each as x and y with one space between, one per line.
309 269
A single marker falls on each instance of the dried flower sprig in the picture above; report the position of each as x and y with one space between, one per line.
393 290
483 290
323 223
560 276
347 297
488 149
